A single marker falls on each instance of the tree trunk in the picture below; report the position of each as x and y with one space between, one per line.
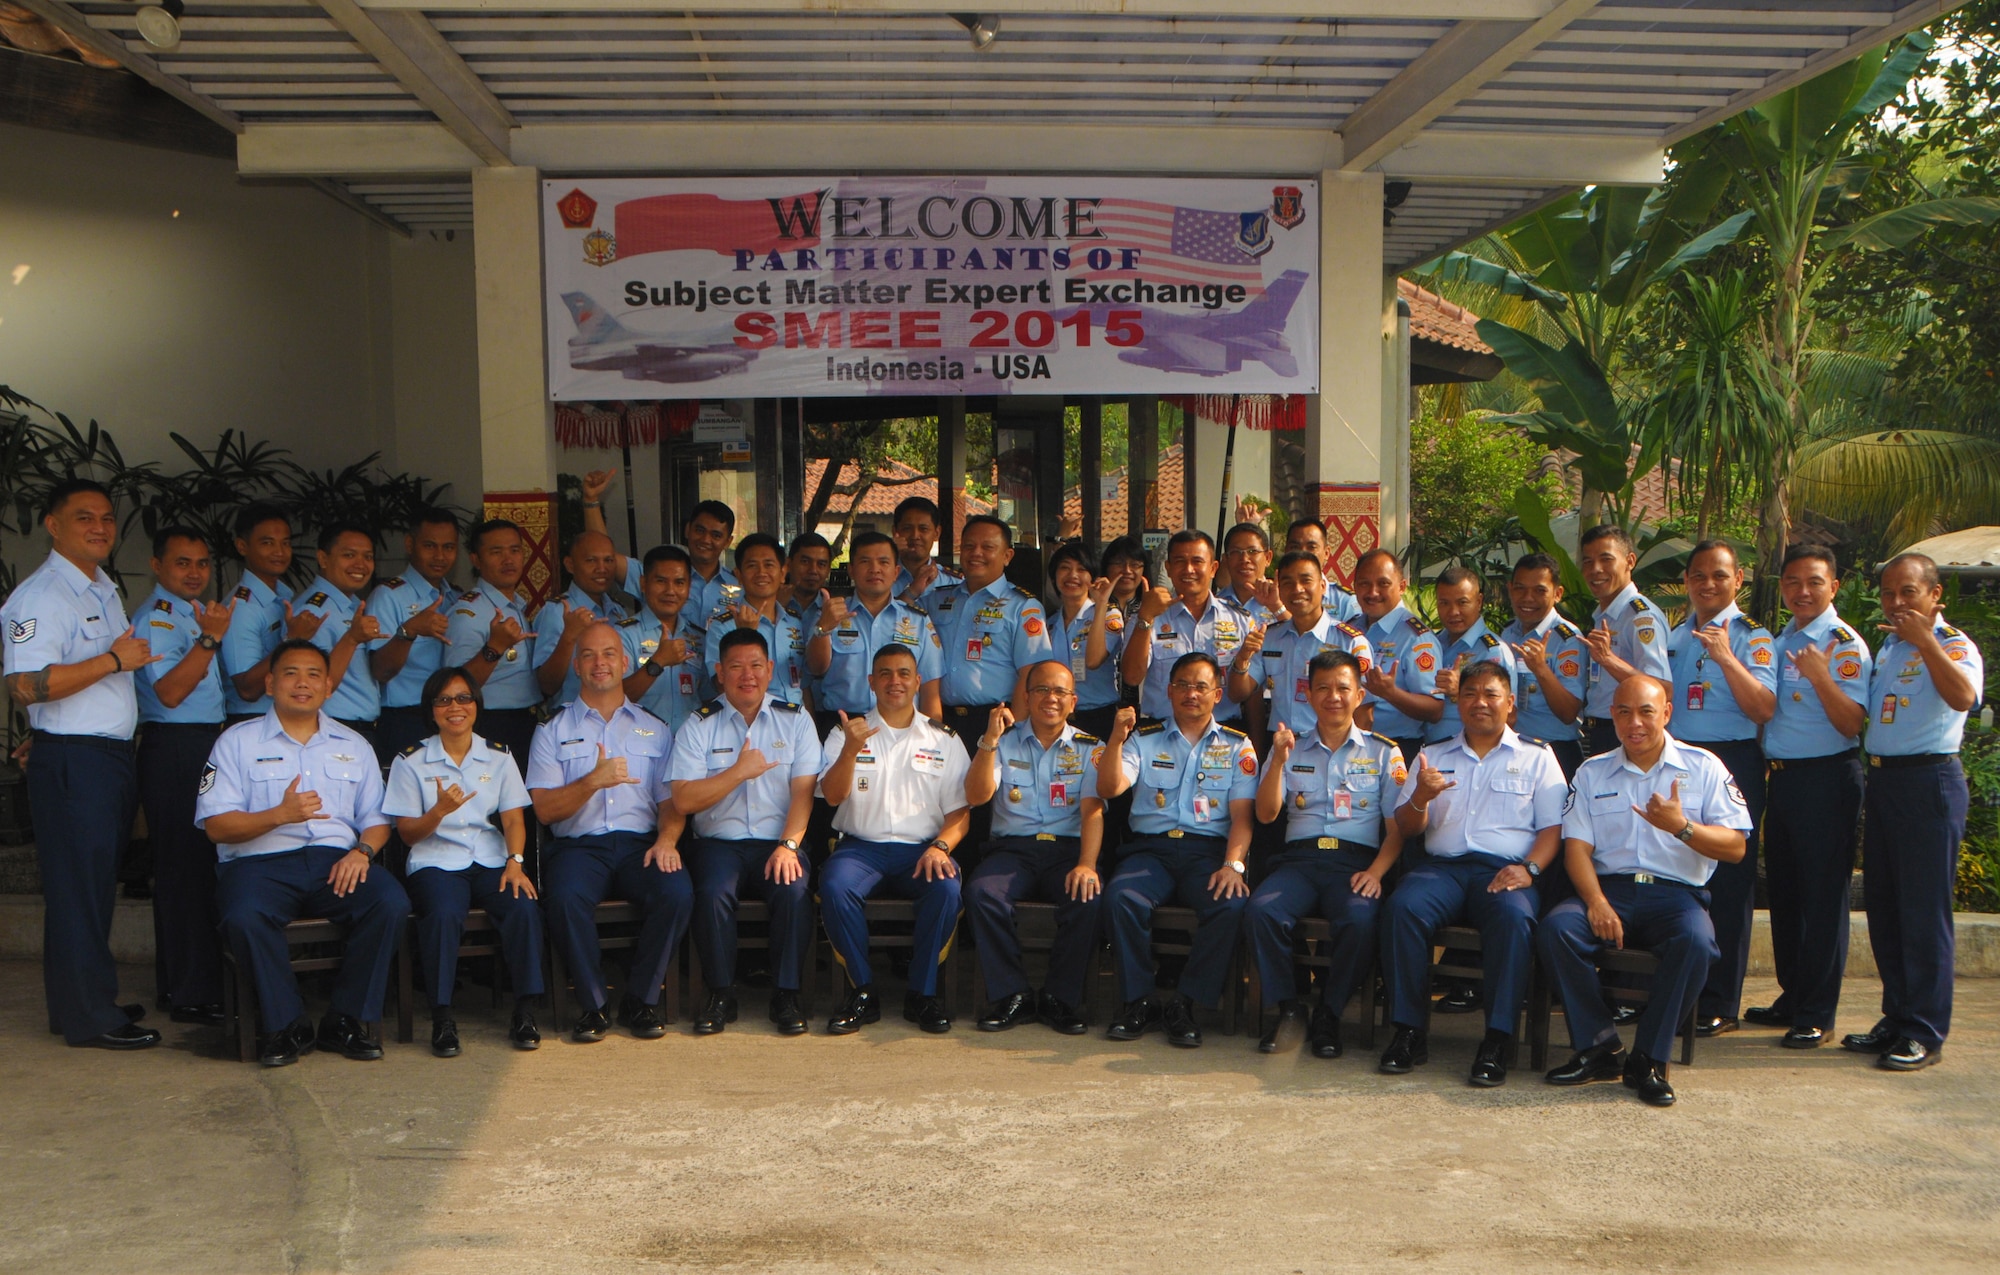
1589 509
1773 530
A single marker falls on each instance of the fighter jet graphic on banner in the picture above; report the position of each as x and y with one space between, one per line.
1217 343
603 344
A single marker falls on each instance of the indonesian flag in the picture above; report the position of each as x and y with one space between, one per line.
678 223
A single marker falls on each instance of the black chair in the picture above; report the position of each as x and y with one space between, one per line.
1035 926
1173 932
617 930
1311 937
1638 964
902 914
1451 948
313 944
481 938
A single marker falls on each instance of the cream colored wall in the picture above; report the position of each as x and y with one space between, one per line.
1251 471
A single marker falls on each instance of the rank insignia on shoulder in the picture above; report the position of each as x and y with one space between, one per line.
786 706
1565 629
1082 738
1348 629
497 746
317 599
396 583
164 605
21 630
1639 605
628 621
1951 632
1489 639
1231 730
470 595
1842 635
1418 626
946 728
1019 592
412 750
207 779
1154 729
242 593
710 709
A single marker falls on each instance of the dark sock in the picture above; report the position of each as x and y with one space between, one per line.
524 1004
1494 1036
440 1013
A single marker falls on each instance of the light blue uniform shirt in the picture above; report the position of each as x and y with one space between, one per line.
1220 632
1286 672
844 685
1568 657
256 626
1095 687
1801 728
1042 790
511 683
1907 717
1250 606
358 698
1185 788
253 763
58 615
470 834
1343 792
565 750
711 741
989 635
684 687
1340 604
1638 636
807 618
1470 647
1622 842
548 634
786 643
706 597
1408 652
944 579
392 603
1705 709
169 627
1497 804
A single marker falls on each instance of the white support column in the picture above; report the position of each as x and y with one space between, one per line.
516 434
1349 435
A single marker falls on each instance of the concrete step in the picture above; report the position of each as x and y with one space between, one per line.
132 938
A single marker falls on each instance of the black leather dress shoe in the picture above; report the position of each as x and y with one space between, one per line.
522 1032
1008 1012
1059 1016
1648 1077
590 1027
1323 1033
133 1012
1599 1062
1489 1065
348 1038
1177 1020
787 1014
859 1009
1879 1039
718 1010
199 1015
1462 999
278 1049
1624 1015
1908 1055
1768 1016
644 1023
444 1038
1410 1047
1707 1025
1132 1019
1291 1016
129 1036
927 1012
1802 1038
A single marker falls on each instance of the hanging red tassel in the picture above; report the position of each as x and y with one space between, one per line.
1253 411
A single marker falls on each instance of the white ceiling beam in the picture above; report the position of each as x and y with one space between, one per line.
834 43
1333 10
77 27
339 149
1530 158
423 61
1456 66
930 31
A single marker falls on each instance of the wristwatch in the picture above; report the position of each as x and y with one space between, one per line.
650 669
517 859
490 655
1235 865
1534 869
207 643
789 844
366 850
403 635
1687 834
939 845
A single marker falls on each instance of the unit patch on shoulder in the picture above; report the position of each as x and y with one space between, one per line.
164 605
317 599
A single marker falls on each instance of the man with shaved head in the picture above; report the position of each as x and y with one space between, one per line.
1645 826
593 565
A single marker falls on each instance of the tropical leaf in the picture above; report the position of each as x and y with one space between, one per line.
1568 381
1898 226
1462 266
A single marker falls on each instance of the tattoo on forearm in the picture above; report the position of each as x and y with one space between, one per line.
29 688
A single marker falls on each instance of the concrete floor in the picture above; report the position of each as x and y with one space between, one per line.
1025 1152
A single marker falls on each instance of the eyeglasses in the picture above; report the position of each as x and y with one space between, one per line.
1191 686
446 701
1061 692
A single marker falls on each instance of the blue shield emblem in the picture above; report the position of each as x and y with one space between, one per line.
1253 233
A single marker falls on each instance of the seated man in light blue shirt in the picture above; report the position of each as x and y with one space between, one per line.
293 802
743 771
1645 827
1489 806
598 776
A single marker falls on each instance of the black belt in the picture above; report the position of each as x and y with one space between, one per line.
967 710
1716 743
1653 878
1906 762
1182 834
1031 838
104 742
1327 843
157 728
1807 763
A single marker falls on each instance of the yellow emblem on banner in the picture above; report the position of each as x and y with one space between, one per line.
599 249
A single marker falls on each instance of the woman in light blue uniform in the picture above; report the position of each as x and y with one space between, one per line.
1087 634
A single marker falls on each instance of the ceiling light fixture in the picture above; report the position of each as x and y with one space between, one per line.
160 24
983 28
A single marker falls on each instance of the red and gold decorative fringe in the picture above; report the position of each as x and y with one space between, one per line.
618 424
1253 411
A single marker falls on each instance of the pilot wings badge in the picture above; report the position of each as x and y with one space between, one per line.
1253 233
599 249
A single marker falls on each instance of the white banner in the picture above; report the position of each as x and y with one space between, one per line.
824 287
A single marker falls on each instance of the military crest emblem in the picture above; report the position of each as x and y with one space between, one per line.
1253 233
576 209
1288 206
599 249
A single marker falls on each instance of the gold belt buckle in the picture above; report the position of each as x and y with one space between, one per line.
1045 836
1329 843
1643 878
1175 834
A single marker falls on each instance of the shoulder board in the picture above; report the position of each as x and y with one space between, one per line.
1565 629
396 583
1418 626
786 706
709 709
412 750
1639 604
1154 729
1489 639
721 612
317 599
470 595
628 621
702 629
945 728
242 593
1082 738
1231 730
1019 592
1380 738
1951 632
1841 634
163 605
1348 629
497 746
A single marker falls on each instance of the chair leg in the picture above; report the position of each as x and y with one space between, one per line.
671 998
405 985
246 1015
1540 1010
558 983
1687 1036
1253 999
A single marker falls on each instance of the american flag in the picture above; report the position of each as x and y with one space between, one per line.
1177 245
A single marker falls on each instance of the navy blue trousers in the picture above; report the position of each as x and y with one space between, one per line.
1017 868
81 790
583 872
724 871
858 869
1311 882
1809 834
1670 921
1438 892
1732 889
1909 867
441 898
187 961
261 894
1156 870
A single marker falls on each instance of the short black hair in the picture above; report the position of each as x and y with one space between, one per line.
715 509
1263 536
1455 574
916 505
1799 553
1362 562
434 686
741 637
1485 669
255 515
1306 522
1192 535
1071 551
1927 569
1710 546
1128 549
178 531
807 540
893 648
1333 659
60 494
1197 657
868 540
758 540
289 645
330 535
1293 557
665 553
433 516
987 520
480 530
1607 531
1538 562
